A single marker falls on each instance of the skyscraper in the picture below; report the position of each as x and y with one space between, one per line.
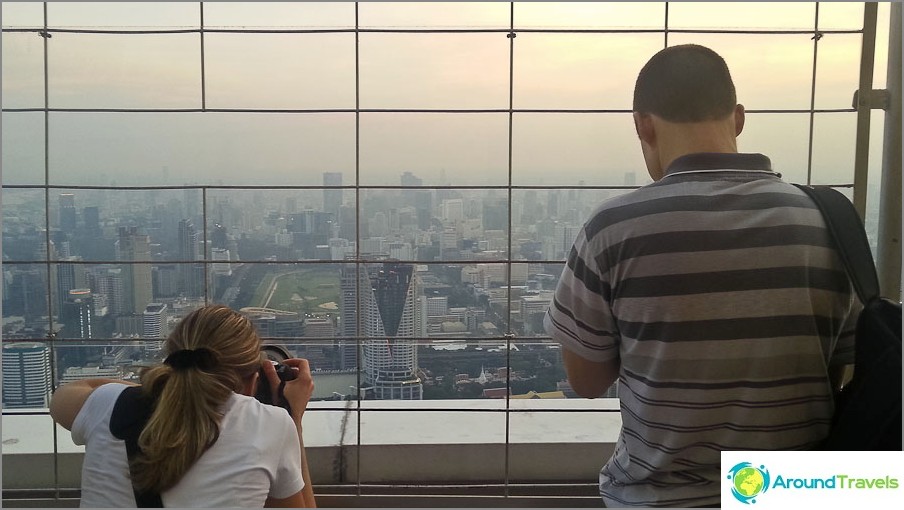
495 214
154 320
332 198
310 229
26 375
91 218
132 246
108 281
190 249
26 293
68 276
389 317
67 213
421 200
78 314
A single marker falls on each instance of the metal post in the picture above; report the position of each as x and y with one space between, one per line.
888 252
863 105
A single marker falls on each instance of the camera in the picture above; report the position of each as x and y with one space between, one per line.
276 355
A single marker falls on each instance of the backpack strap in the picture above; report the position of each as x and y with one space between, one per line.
130 414
849 237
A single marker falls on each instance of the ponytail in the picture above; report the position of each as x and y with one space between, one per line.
211 351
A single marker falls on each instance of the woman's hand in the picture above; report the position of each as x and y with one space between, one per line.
298 391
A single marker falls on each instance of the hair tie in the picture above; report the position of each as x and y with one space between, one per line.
184 359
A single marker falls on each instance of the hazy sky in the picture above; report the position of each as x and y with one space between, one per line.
403 71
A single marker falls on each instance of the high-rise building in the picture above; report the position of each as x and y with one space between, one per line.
452 210
219 237
26 375
108 281
437 306
67 212
77 314
495 214
420 200
223 267
68 276
133 246
388 316
332 198
26 293
91 218
166 280
190 249
530 211
347 221
552 203
310 229
154 321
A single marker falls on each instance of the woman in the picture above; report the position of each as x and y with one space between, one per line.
207 442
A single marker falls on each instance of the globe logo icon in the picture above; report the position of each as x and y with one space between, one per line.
748 481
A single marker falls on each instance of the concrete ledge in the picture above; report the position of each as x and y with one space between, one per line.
427 442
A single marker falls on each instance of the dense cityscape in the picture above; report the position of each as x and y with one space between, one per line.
432 309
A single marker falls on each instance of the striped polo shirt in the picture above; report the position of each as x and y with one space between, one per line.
718 291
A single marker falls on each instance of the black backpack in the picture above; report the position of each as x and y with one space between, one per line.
868 409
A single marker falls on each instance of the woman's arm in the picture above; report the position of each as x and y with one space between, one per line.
298 393
69 398
308 491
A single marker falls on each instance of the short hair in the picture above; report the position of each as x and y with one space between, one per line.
686 83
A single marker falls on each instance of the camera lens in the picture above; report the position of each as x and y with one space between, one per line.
285 372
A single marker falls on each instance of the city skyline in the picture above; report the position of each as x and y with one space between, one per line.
432 99
125 268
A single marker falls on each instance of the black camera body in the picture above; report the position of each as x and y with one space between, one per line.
276 355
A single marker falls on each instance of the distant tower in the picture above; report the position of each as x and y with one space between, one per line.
67 212
132 246
154 323
26 292
495 214
332 198
108 281
69 276
552 203
389 314
91 218
421 200
78 314
218 237
26 375
189 249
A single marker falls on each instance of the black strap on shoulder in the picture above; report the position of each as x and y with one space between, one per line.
849 237
130 414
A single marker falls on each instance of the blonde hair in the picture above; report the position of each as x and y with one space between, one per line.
185 420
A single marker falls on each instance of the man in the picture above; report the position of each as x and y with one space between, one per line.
712 296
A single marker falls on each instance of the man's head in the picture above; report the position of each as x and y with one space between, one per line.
684 100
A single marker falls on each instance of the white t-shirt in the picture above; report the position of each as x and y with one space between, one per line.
257 455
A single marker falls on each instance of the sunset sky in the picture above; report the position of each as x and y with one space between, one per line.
404 71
